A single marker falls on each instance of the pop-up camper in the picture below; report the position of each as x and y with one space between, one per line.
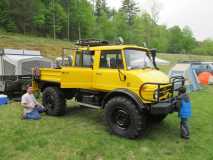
16 68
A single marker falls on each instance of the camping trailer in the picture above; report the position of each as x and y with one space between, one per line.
16 68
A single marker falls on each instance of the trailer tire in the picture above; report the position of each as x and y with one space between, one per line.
54 101
123 118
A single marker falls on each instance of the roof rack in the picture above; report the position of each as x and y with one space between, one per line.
92 42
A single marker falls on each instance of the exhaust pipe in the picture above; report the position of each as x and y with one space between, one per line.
153 54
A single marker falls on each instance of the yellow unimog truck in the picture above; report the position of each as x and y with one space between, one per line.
121 79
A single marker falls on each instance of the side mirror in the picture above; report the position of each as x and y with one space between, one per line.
153 54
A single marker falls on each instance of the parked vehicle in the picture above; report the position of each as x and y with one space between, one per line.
16 69
121 79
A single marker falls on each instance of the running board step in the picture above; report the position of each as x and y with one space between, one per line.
89 105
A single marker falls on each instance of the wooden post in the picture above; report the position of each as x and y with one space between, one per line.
54 34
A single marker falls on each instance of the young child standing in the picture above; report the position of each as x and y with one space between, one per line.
184 113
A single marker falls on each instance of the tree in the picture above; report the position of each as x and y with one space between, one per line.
39 18
6 21
161 39
55 22
106 25
189 42
155 10
23 12
86 19
130 10
66 5
204 47
98 10
101 8
80 19
121 27
175 40
143 29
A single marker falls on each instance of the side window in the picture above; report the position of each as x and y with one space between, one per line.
88 59
111 59
84 59
78 59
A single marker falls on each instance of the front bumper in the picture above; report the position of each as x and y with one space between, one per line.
171 104
165 107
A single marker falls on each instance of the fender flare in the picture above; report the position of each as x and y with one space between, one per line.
126 93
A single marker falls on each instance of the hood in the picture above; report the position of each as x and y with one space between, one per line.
150 75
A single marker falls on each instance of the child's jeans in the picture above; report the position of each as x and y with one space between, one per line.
184 128
35 114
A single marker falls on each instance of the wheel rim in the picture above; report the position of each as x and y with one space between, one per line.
50 102
121 118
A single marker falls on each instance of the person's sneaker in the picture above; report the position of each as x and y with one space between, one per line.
185 137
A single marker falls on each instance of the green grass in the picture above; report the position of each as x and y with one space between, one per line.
48 47
82 134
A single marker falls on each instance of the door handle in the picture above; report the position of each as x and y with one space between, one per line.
98 74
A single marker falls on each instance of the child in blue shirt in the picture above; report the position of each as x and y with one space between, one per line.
184 113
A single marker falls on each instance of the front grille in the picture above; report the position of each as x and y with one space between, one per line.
165 91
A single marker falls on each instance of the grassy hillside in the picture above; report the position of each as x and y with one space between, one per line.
49 47
174 58
52 48
82 135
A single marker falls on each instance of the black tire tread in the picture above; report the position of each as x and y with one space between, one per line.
139 118
60 103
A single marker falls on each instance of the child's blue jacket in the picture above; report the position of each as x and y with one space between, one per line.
185 108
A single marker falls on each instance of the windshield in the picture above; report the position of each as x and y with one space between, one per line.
137 59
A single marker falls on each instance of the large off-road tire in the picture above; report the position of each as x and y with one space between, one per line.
54 101
123 118
157 118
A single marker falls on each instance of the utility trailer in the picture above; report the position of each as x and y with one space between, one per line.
16 69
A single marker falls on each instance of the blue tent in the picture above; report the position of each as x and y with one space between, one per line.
186 70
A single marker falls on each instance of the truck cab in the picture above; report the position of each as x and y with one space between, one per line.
121 79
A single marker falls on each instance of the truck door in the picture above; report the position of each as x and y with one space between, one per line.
110 71
81 74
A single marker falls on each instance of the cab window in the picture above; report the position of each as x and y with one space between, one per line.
84 59
111 59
